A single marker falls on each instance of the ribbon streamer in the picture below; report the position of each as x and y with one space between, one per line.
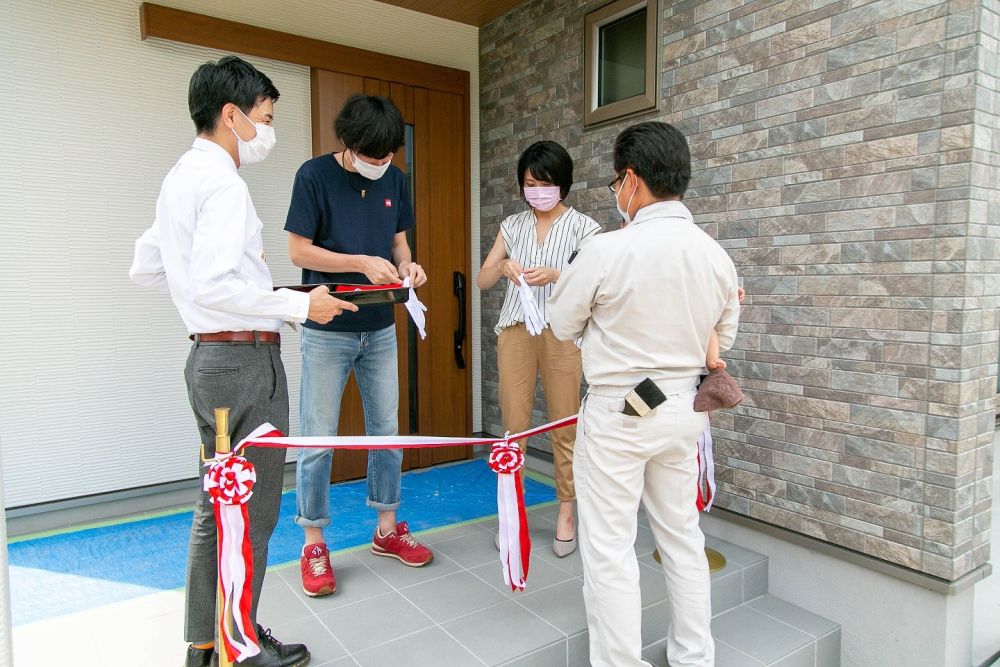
229 483
507 460
706 471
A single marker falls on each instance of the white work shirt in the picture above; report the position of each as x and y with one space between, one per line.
206 247
520 242
645 299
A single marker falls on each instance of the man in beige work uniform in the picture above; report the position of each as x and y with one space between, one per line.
645 299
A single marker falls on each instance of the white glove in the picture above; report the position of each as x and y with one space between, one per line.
533 319
415 309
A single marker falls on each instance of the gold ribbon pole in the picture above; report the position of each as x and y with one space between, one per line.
222 446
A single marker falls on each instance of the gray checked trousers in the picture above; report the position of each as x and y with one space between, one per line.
250 380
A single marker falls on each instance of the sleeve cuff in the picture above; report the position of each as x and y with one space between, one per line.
298 305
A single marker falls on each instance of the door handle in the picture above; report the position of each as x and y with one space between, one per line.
458 287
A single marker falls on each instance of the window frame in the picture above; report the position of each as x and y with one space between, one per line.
645 101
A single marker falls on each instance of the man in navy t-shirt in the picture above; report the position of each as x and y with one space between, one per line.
347 223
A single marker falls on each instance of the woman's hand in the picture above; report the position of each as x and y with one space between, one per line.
541 275
513 270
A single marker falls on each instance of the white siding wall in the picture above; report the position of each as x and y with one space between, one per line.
92 396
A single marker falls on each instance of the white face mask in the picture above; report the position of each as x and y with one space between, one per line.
256 149
625 216
372 172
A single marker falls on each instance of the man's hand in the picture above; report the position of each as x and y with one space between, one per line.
740 294
414 272
379 271
323 307
512 269
541 275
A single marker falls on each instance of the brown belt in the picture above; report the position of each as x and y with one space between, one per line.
269 337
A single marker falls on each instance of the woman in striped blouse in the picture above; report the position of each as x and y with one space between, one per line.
535 245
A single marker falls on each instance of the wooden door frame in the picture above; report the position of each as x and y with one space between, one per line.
177 25
159 22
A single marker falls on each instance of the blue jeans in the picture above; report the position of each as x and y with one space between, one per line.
327 360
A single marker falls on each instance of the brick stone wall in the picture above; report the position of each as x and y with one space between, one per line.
845 154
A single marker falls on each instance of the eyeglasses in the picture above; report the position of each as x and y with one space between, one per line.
611 185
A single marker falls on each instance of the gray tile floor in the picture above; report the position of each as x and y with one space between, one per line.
457 611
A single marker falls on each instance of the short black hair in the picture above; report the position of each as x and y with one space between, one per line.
232 79
658 153
547 161
370 125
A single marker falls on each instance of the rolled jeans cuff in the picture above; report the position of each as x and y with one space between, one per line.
382 507
311 523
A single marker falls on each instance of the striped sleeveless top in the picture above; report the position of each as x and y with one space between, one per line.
521 243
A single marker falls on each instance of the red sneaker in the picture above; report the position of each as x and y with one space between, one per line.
402 546
317 573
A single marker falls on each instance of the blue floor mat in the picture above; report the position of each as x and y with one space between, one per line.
91 567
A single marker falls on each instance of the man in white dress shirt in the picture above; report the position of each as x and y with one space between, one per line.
205 247
645 299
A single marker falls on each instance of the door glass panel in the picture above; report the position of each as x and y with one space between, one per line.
411 238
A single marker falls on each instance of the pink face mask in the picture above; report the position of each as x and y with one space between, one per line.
544 198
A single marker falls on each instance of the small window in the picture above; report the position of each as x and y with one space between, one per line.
621 60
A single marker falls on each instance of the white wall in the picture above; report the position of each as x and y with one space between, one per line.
93 398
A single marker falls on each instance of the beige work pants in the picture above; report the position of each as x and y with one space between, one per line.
619 461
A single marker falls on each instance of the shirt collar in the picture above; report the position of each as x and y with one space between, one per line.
215 150
663 209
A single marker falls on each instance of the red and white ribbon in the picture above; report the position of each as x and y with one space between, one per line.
706 471
515 542
268 436
230 480
229 483
507 460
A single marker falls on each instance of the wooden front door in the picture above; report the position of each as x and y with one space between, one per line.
435 390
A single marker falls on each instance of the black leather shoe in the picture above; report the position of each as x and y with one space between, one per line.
201 657
275 654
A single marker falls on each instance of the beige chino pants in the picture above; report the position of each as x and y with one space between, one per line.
520 357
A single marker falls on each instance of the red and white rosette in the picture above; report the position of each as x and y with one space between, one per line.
506 460
706 471
229 483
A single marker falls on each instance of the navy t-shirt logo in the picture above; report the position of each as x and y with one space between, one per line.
388 203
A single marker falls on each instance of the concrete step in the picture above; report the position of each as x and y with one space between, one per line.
769 631
742 579
751 628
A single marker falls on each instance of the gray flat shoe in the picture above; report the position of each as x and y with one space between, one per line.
563 548
496 541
